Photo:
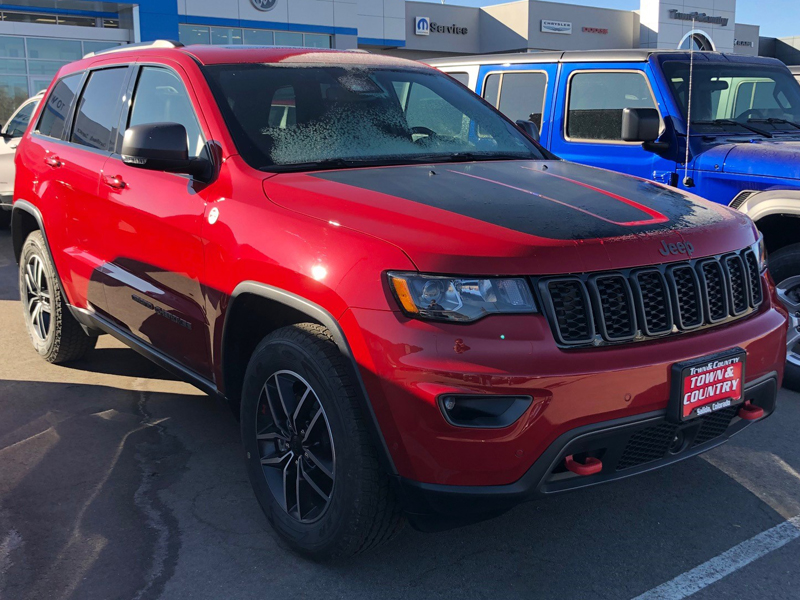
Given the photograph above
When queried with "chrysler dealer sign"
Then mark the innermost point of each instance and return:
(556, 26)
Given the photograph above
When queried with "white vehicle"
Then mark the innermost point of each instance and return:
(9, 139)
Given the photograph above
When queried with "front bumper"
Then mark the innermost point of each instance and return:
(626, 446)
(407, 364)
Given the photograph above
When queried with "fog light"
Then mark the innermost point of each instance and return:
(483, 411)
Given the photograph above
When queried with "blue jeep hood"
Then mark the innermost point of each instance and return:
(770, 158)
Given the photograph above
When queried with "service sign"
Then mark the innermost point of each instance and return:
(564, 27)
(707, 385)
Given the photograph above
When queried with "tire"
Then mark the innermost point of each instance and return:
(5, 218)
(784, 266)
(361, 511)
(54, 332)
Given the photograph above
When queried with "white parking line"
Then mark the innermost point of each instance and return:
(726, 563)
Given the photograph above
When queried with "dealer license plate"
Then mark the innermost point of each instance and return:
(706, 385)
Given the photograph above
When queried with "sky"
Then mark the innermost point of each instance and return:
(781, 19)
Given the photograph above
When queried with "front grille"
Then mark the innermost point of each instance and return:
(639, 304)
(571, 310)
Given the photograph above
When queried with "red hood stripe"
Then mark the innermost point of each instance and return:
(658, 217)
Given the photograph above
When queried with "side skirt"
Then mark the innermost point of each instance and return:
(92, 320)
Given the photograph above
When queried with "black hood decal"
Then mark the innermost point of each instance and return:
(550, 199)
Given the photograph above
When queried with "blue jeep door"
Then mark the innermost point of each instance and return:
(520, 92)
(587, 119)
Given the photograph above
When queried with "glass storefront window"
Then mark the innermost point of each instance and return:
(194, 34)
(258, 37)
(317, 41)
(288, 38)
(12, 47)
(13, 92)
(226, 36)
(78, 21)
(98, 46)
(11, 65)
(54, 49)
(45, 67)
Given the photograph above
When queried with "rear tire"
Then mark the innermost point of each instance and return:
(339, 501)
(784, 266)
(54, 332)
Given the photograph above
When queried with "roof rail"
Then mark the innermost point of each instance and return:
(140, 46)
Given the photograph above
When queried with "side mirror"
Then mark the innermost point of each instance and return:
(529, 128)
(162, 147)
(640, 124)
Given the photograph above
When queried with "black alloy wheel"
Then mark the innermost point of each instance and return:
(295, 446)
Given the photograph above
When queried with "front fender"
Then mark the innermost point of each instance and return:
(758, 205)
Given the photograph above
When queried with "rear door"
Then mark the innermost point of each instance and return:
(64, 158)
(153, 278)
(587, 119)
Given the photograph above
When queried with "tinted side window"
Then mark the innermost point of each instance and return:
(17, 126)
(462, 78)
(596, 101)
(161, 97)
(57, 106)
(98, 109)
(522, 96)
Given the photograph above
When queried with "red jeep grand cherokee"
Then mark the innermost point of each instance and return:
(415, 310)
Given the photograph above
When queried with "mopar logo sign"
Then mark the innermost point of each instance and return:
(264, 4)
(422, 26)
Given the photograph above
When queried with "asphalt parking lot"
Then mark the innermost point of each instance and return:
(116, 481)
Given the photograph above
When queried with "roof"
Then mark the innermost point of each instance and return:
(574, 56)
(218, 55)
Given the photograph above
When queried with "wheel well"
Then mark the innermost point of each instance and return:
(250, 319)
(23, 224)
(779, 230)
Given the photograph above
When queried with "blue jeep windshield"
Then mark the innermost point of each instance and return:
(315, 116)
(726, 97)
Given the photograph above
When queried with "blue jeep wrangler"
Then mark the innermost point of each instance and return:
(628, 110)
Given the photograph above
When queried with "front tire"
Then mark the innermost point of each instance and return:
(312, 465)
(54, 332)
(784, 266)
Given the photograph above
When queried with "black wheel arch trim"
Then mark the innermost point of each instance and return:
(21, 206)
(322, 316)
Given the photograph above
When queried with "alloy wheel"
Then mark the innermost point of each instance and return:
(789, 295)
(295, 446)
(38, 297)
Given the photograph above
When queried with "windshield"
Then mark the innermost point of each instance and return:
(282, 116)
(731, 97)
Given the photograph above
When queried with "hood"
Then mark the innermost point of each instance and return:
(757, 157)
(515, 217)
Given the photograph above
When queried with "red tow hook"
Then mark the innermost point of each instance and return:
(592, 466)
(750, 412)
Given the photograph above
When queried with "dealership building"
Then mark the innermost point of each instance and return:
(38, 36)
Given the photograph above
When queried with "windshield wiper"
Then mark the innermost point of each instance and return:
(468, 157)
(733, 122)
(773, 121)
(318, 165)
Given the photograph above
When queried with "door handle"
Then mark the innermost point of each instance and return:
(53, 161)
(115, 182)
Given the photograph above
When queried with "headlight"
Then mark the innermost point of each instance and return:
(460, 299)
(760, 250)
